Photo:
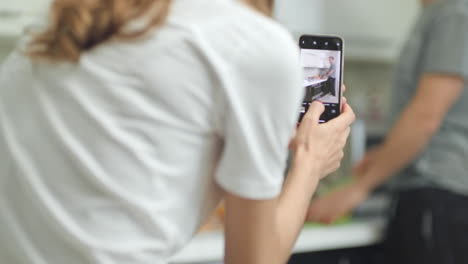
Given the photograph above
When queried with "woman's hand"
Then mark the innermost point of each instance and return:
(320, 146)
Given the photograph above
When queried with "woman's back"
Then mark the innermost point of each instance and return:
(115, 159)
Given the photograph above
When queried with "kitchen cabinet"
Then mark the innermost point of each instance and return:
(314, 89)
(300, 16)
(25, 6)
(374, 30)
(16, 15)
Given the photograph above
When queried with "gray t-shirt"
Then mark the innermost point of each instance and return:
(332, 69)
(438, 44)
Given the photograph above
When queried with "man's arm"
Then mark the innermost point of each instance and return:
(412, 132)
(329, 73)
(435, 95)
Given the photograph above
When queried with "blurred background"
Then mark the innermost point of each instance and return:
(373, 31)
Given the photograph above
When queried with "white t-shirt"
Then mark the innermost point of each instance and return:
(119, 158)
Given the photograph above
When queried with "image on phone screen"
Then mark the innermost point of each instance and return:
(321, 59)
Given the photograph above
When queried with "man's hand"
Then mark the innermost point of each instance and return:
(329, 208)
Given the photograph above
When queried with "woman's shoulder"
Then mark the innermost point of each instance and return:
(223, 32)
(225, 37)
(227, 19)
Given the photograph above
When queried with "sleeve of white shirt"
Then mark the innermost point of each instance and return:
(261, 100)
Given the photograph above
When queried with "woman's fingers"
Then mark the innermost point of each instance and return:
(345, 119)
(311, 118)
(323, 143)
(344, 102)
(316, 109)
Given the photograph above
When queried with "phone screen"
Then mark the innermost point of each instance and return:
(322, 62)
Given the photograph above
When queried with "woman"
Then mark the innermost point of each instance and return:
(426, 150)
(124, 123)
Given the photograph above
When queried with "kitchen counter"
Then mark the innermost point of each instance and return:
(209, 247)
(313, 82)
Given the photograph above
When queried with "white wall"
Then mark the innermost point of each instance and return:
(300, 16)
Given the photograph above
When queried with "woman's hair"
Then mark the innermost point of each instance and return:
(77, 26)
(264, 6)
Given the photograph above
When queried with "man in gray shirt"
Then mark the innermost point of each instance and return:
(331, 75)
(427, 148)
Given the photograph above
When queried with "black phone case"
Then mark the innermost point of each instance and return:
(325, 44)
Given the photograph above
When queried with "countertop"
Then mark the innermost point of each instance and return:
(208, 247)
(313, 82)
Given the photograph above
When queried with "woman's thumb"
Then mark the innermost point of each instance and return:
(316, 109)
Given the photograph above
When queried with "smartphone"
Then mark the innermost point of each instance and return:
(322, 62)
